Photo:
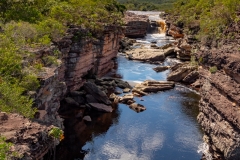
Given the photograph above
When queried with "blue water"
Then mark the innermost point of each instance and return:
(166, 130)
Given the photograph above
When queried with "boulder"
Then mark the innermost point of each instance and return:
(70, 101)
(87, 118)
(101, 107)
(126, 98)
(122, 84)
(191, 77)
(91, 99)
(161, 68)
(180, 71)
(93, 90)
(137, 107)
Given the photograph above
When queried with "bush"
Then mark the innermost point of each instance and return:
(213, 69)
(12, 100)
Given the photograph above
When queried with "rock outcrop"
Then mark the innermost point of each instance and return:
(30, 139)
(184, 72)
(149, 86)
(219, 83)
(135, 25)
(79, 57)
(219, 106)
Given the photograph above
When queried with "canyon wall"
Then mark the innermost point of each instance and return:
(136, 26)
(220, 102)
(80, 57)
(219, 82)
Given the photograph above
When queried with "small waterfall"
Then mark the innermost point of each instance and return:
(161, 26)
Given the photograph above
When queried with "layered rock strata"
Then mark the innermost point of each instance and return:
(219, 82)
(79, 57)
(135, 25)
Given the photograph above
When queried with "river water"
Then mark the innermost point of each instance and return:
(167, 130)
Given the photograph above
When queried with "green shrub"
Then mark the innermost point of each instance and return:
(50, 61)
(12, 100)
(57, 133)
(213, 69)
(30, 82)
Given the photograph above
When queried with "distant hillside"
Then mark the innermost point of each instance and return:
(148, 5)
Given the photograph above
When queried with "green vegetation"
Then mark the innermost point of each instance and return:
(148, 5)
(4, 149)
(5, 152)
(210, 16)
(213, 69)
(27, 25)
(56, 133)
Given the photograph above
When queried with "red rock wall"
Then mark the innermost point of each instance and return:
(136, 25)
(80, 57)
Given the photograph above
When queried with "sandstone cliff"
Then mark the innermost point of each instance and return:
(219, 81)
(80, 57)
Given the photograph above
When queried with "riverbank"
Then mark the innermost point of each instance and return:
(218, 68)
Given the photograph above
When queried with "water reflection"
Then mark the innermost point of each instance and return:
(78, 132)
(166, 130)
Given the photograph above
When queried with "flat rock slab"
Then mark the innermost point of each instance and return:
(146, 54)
(161, 68)
(152, 86)
(101, 107)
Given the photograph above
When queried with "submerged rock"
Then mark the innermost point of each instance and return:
(137, 107)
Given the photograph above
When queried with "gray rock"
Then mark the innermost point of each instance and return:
(79, 99)
(101, 107)
(71, 101)
(77, 93)
(91, 99)
(87, 118)
(122, 84)
(93, 90)
(79, 115)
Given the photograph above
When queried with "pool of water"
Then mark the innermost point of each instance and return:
(166, 130)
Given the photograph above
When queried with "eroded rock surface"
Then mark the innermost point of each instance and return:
(135, 25)
(31, 139)
(152, 86)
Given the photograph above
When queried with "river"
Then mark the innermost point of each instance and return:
(167, 130)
